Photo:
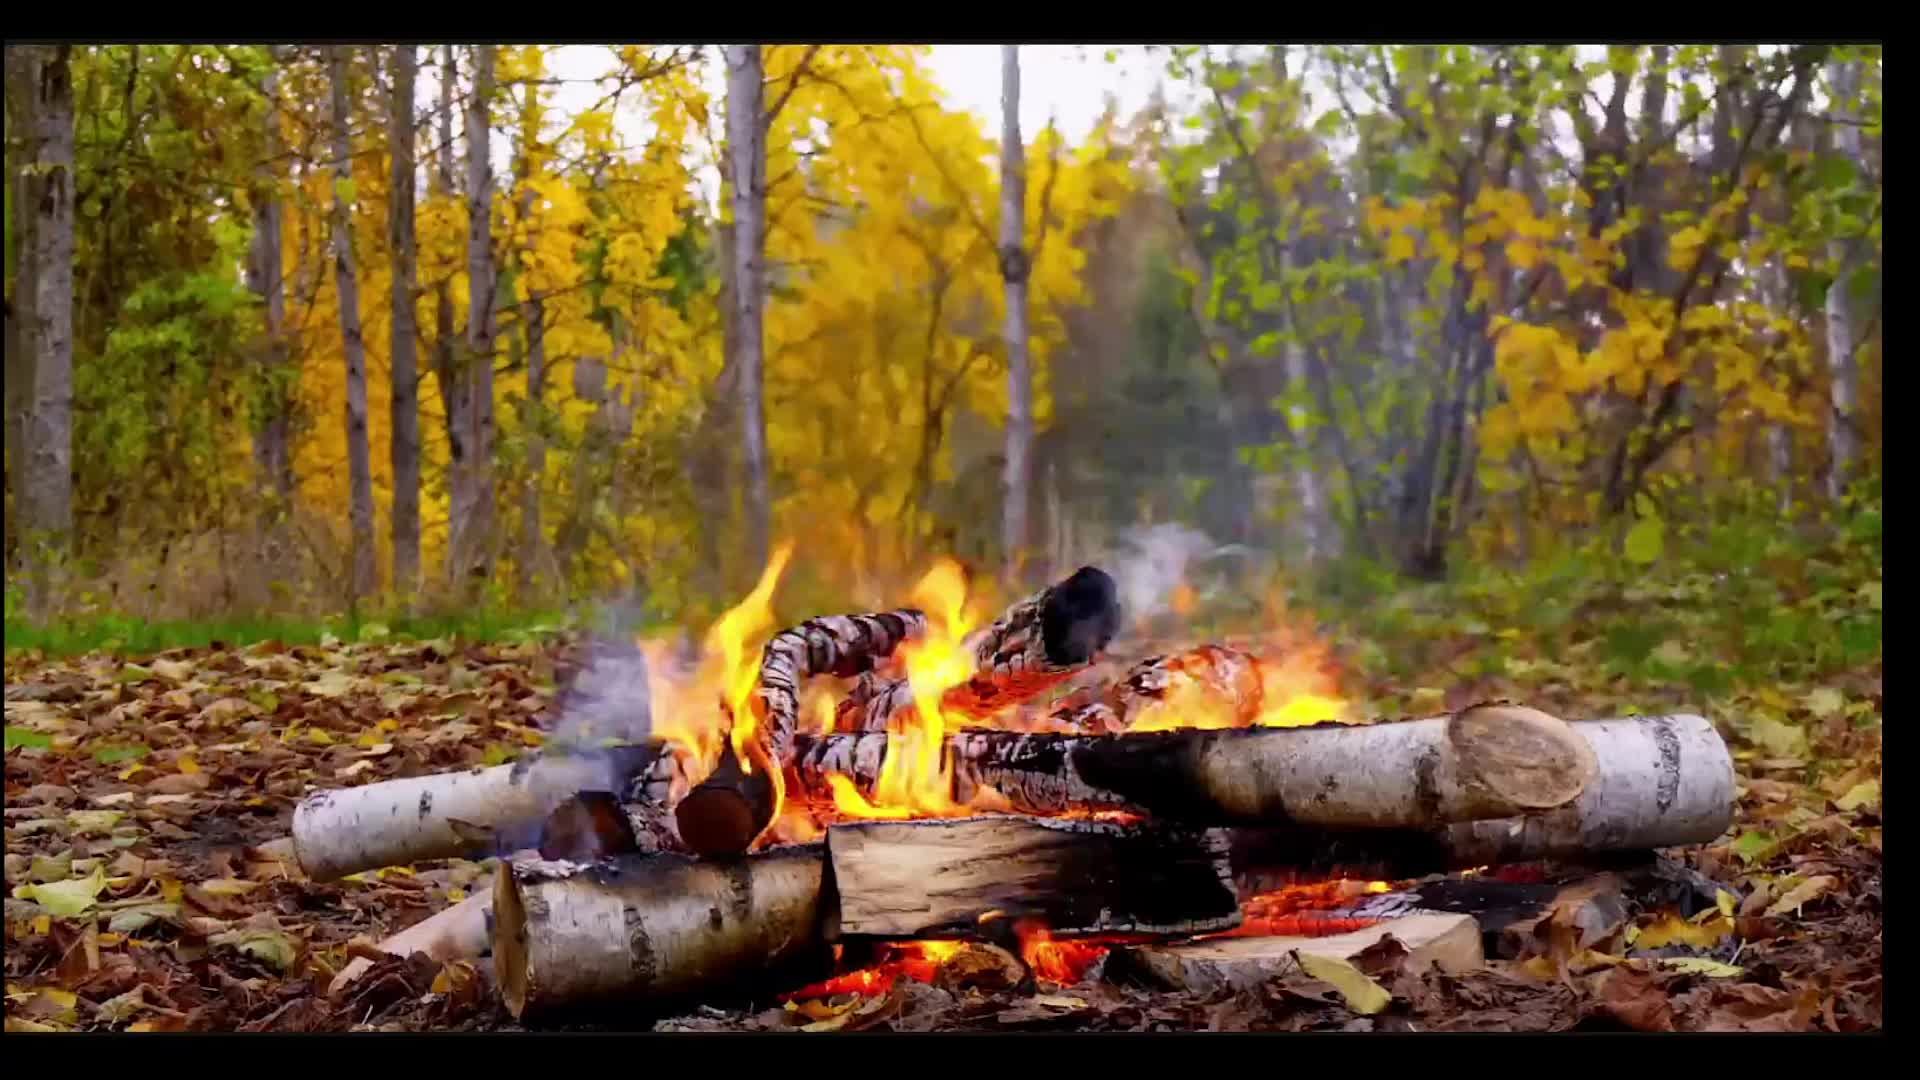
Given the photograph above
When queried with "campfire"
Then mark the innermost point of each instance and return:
(927, 795)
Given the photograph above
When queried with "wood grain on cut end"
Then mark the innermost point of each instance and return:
(1528, 758)
(509, 940)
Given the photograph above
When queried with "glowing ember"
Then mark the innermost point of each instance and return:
(1063, 961)
(1306, 910)
(918, 961)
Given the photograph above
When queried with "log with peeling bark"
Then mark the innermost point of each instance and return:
(1034, 645)
(1448, 942)
(449, 815)
(650, 929)
(728, 810)
(1490, 761)
(943, 878)
(461, 932)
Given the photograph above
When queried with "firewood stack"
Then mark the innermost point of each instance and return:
(1081, 828)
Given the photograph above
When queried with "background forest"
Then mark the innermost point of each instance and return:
(308, 332)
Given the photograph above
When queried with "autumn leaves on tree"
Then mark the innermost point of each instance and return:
(378, 327)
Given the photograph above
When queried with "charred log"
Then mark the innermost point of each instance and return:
(943, 878)
(647, 930)
(1485, 762)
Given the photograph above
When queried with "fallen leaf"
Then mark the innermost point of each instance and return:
(134, 919)
(1672, 929)
(1361, 993)
(55, 868)
(1864, 793)
(1700, 965)
(229, 886)
(66, 899)
(1824, 701)
(270, 947)
(1804, 893)
(1632, 997)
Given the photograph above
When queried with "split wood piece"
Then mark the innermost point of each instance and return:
(944, 878)
(1448, 942)
(597, 825)
(1662, 781)
(1490, 761)
(1032, 647)
(449, 815)
(651, 929)
(461, 932)
(1216, 683)
(727, 811)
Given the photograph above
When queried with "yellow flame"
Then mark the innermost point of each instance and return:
(916, 774)
(737, 637)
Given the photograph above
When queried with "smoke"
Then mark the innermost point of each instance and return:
(1151, 562)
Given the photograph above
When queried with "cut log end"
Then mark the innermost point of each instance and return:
(1524, 757)
(509, 941)
(723, 816)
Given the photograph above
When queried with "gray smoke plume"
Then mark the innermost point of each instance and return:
(1150, 561)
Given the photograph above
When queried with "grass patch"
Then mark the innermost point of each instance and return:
(136, 637)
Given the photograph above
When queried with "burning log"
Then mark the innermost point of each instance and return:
(1032, 646)
(1491, 761)
(1038, 643)
(650, 929)
(449, 815)
(943, 878)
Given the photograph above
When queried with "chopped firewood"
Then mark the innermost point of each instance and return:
(648, 929)
(942, 878)
(1661, 781)
(1448, 942)
(448, 815)
(1038, 643)
(1490, 761)
(461, 932)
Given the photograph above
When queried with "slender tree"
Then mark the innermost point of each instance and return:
(405, 374)
(747, 153)
(359, 459)
(1014, 267)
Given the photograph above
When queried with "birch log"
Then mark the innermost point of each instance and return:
(1490, 761)
(1661, 781)
(461, 932)
(645, 930)
(448, 815)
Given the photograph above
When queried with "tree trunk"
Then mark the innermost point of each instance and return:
(747, 153)
(449, 378)
(1842, 344)
(359, 462)
(43, 295)
(532, 536)
(272, 437)
(471, 544)
(932, 879)
(405, 407)
(1014, 268)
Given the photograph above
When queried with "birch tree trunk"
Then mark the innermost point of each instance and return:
(405, 407)
(44, 296)
(531, 534)
(1014, 269)
(473, 521)
(446, 367)
(266, 277)
(359, 463)
(747, 153)
(1844, 440)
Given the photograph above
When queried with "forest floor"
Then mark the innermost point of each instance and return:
(136, 788)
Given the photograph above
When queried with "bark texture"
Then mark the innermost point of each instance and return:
(266, 277)
(942, 878)
(404, 407)
(471, 540)
(1015, 265)
(364, 568)
(747, 154)
(648, 930)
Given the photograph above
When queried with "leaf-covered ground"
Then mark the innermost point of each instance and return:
(137, 793)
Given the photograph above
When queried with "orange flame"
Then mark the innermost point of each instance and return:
(1063, 961)
(919, 961)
